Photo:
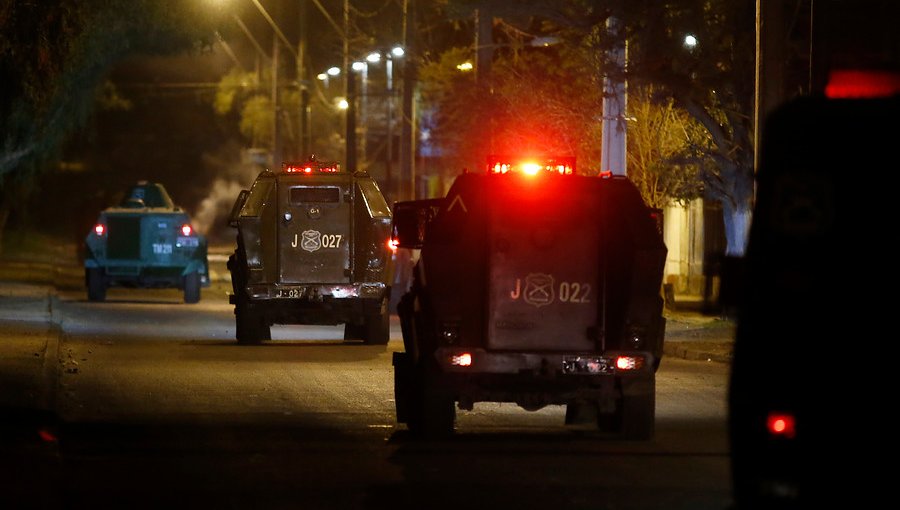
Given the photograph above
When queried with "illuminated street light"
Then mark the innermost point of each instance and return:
(342, 103)
(397, 51)
(690, 42)
(465, 66)
(333, 71)
(374, 57)
(358, 66)
(322, 77)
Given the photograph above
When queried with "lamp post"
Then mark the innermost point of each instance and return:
(396, 52)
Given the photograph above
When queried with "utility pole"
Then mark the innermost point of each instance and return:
(276, 104)
(613, 140)
(770, 75)
(407, 130)
(303, 81)
(350, 94)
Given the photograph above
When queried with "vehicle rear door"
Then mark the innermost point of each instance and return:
(314, 226)
(543, 270)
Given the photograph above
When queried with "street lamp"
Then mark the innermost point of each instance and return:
(690, 42)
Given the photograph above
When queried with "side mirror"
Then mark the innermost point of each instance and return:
(236, 208)
(411, 219)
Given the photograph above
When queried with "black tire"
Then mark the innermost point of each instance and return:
(96, 286)
(192, 287)
(251, 327)
(354, 331)
(403, 368)
(638, 410)
(378, 329)
(432, 413)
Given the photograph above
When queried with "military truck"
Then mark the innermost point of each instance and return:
(313, 247)
(145, 241)
(534, 285)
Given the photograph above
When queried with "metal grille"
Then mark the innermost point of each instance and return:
(124, 240)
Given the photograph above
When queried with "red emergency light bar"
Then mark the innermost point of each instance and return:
(311, 167)
(499, 165)
(862, 84)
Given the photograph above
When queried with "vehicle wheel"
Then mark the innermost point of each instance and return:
(354, 331)
(378, 328)
(638, 410)
(96, 287)
(579, 413)
(432, 414)
(403, 368)
(192, 287)
(250, 326)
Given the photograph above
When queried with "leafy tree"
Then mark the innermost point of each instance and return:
(54, 56)
(246, 96)
(661, 138)
(712, 81)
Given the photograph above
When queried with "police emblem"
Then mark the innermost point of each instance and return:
(538, 289)
(312, 240)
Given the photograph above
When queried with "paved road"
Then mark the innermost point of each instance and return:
(162, 408)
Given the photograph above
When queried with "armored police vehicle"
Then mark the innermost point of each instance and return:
(313, 247)
(537, 286)
(812, 377)
(145, 241)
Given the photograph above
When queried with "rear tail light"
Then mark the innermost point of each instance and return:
(781, 425)
(47, 435)
(99, 229)
(629, 362)
(393, 244)
(461, 360)
(186, 229)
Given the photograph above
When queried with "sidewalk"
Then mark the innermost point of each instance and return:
(694, 335)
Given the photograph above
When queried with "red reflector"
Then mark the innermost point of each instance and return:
(47, 436)
(99, 229)
(861, 84)
(463, 360)
(781, 424)
(186, 229)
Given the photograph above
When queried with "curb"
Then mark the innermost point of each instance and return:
(685, 350)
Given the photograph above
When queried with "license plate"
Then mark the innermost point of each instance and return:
(189, 242)
(586, 365)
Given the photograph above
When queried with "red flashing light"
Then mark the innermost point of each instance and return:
(311, 167)
(781, 425)
(99, 229)
(186, 229)
(499, 165)
(862, 84)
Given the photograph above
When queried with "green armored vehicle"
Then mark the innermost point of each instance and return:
(313, 247)
(145, 241)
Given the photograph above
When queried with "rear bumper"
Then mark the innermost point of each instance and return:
(534, 380)
(317, 292)
(559, 364)
(317, 304)
(132, 274)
